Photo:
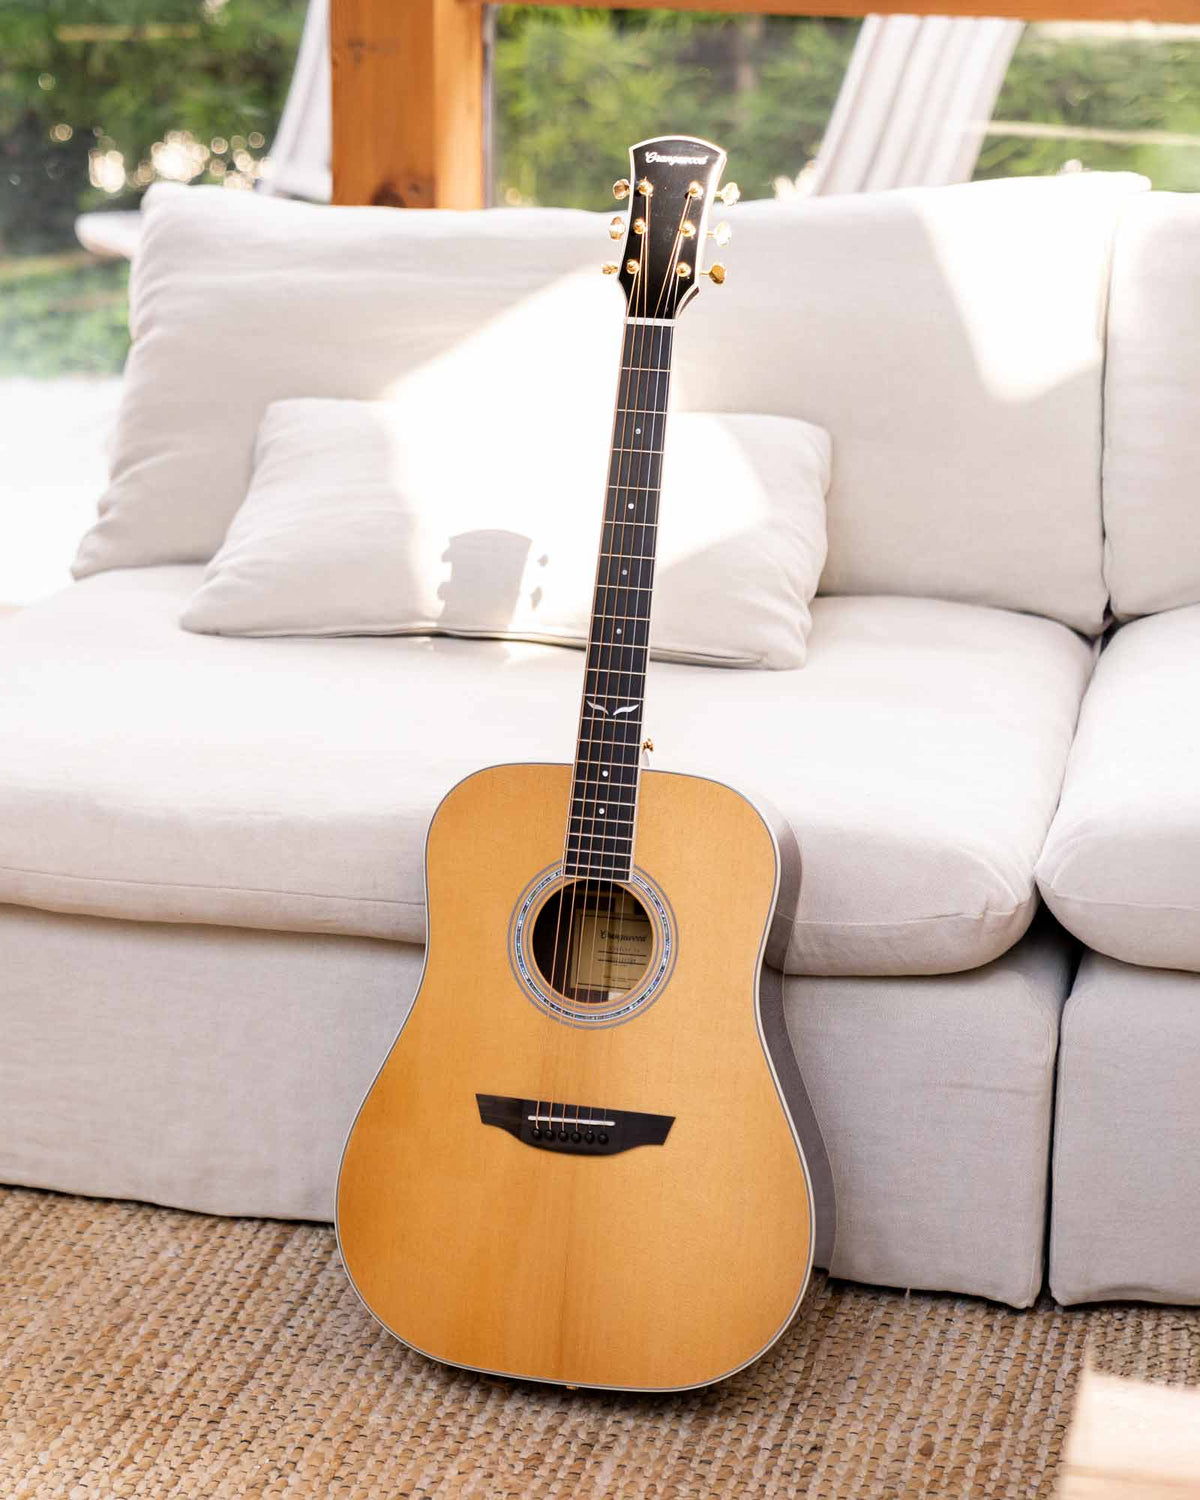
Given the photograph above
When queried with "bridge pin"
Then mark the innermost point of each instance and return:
(590, 1137)
(604, 1137)
(576, 1137)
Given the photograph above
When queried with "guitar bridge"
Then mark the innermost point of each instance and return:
(583, 1129)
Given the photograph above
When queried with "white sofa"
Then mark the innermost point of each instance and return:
(210, 849)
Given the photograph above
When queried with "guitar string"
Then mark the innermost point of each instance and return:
(619, 546)
(569, 893)
(609, 599)
(584, 760)
(637, 460)
(652, 458)
(635, 465)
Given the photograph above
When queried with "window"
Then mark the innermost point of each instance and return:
(98, 98)
(572, 88)
(1102, 97)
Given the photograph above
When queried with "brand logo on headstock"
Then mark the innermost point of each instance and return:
(677, 161)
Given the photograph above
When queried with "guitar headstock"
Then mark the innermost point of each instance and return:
(672, 184)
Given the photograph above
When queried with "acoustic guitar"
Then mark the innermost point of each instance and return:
(579, 1161)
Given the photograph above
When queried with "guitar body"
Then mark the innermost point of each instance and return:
(580, 1162)
(661, 1256)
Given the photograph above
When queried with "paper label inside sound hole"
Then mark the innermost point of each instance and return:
(610, 948)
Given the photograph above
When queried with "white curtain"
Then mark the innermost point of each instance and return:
(918, 94)
(302, 150)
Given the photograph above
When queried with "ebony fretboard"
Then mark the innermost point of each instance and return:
(604, 789)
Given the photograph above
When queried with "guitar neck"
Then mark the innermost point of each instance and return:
(604, 788)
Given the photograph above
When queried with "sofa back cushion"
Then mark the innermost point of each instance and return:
(1152, 407)
(949, 339)
(951, 342)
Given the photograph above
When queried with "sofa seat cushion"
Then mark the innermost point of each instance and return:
(1121, 867)
(153, 774)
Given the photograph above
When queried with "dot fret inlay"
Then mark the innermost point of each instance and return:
(600, 833)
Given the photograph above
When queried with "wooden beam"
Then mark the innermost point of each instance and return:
(1179, 11)
(408, 84)
(408, 125)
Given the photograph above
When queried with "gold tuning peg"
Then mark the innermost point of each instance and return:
(610, 268)
(616, 227)
(621, 188)
(715, 273)
(722, 234)
(730, 193)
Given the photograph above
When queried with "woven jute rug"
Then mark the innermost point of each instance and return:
(146, 1352)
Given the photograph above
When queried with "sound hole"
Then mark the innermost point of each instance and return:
(593, 941)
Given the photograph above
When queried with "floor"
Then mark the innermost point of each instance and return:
(148, 1352)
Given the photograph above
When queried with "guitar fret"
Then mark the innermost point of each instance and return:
(608, 752)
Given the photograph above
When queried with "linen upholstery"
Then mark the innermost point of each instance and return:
(949, 339)
(153, 774)
(375, 518)
(1126, 1204)
(1121, 866)
(942, 1088)
(1151, 396)
(219, 1070)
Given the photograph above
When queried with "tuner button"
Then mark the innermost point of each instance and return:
(730, 193)
(722, 234)
(616, 227)
(646, 188)
(716, 273)
(621, 188)
(610, 268)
